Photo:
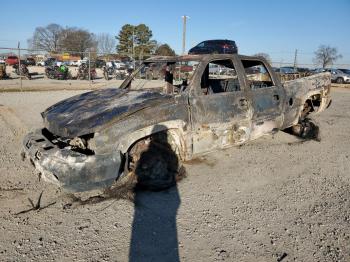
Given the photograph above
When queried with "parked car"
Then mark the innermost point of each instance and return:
(119, 64)
(73, 63)
(11, 60)
(345, 71)
(215, 47)
(51, 61)
(129, 65)
(287, 70)
(30, 61)
(94, 139)
(303, 70)
(59, 63)
(82, 61)
(100, 63)
(337, 76)
(40, 63)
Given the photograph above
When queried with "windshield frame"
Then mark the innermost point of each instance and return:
(165, 59)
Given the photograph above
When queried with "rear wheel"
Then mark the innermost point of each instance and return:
(306, 128)
(340, 80)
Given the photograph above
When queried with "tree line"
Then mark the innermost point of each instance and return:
(133, 40)
(325, 56)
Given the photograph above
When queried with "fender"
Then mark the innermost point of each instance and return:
(176, 128)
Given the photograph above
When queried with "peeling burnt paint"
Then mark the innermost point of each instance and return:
(197, 122)
(86, 113)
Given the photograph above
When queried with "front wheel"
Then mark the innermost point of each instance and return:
(154, 162)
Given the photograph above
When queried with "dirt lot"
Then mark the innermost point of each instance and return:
(275, 199)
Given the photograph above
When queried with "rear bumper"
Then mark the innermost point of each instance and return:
(326, 101)
(71, 170)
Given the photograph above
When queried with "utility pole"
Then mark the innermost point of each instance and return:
(133, 46)
(295, 59)
(90, 66)
(184, 34)
(19, 64)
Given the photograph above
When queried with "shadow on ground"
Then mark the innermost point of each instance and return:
(154, 229)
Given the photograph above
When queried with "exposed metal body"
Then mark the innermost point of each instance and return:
(108, 122)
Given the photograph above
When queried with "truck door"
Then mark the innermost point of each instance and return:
(267, 95)
(220, 111)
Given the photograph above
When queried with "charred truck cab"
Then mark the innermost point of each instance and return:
(211, 102)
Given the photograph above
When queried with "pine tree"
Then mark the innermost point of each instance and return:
(125, 38)
(136, 41)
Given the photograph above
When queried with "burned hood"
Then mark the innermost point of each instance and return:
(88, 112)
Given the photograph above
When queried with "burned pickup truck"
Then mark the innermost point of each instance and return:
(205, 103)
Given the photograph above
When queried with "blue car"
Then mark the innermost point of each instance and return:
(215, 47)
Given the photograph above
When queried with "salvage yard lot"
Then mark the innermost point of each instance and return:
(277, 198)
(41, 82)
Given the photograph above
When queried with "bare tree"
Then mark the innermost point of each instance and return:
(326, 55)
(105, 43)
(77, 40)
(264, 55)
(46, 38)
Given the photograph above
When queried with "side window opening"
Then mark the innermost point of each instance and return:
(169, 77)
(257, 74)
(219, 76)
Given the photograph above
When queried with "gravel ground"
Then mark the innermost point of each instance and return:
(275, 199)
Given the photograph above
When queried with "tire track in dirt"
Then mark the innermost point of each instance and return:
(16, 125)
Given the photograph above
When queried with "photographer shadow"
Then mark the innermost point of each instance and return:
(154, 229)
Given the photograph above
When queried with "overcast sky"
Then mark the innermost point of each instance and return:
(274, 27)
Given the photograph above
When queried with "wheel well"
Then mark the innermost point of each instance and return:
(311, 105)
(173, 136)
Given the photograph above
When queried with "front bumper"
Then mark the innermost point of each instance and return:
(71, 170)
